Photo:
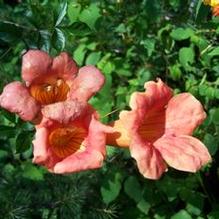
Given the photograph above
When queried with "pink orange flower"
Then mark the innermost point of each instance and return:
(158, 131)
(71, 147)
(48, 81)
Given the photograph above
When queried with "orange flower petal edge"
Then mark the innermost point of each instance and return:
(16, 99)
(158, 128)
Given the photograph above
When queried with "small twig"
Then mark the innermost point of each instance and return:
(203, 187)
(19, 25)
(203, 79)
(5, 53)
(110, 113)
(205, 50)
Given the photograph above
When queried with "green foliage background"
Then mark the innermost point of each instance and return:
(131, 41)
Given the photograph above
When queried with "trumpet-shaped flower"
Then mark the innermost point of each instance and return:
(74, 146)
(48, 81)
(158, 131)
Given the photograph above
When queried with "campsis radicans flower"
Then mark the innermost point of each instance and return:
(214, 5)
(49, 81)
(158, 131)
(74, 146)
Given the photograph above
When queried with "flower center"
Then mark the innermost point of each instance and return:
(66, 141)
(50, 93)
(153, 126)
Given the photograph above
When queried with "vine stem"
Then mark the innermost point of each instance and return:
(204, 188)
(19, 25)
(5, 53)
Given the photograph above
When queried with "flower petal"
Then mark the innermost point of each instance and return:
(40, 147)
(94, 153)
(90, 155)
(155, 97)
(97, 134)
(42, 152)
(35, 64)
(79, 161)
(183, 114)
(64, 112)
(16, 99)
(120, 136)
(147, 116)
(87, 83)
(149, 161)
(183, 152)
(64, 66)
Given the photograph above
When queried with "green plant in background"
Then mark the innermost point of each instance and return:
(130, 42)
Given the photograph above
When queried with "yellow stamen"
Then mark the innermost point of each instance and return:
(66, 141)
(50, 93)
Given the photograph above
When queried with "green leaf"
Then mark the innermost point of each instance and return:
(59, 39)
(195, 204)
(9, 116)
(143, 206)
(90, 15)
(193, 199)
(174, 3)
(7, 131)
(3, 155)
(105, 65)
(79, 29)
(10, 32)
(202, 89)
(93, 58)
(217, 93)
(62, 13)
(111, 187)
(133, 189)
(202, 12)
(215, 116)
(210, 93)
(211, 142)
(46, 40)
(73, 11)
(198, 7)
(214, 52)
(23, 141)
(104, 94)
(32, 172)
(182, 214)
(121, 28)
(79, 54)
(149, 44)
(186, 57)
(214, 214)
(181, 33)
(175, 72)
(166, 185)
